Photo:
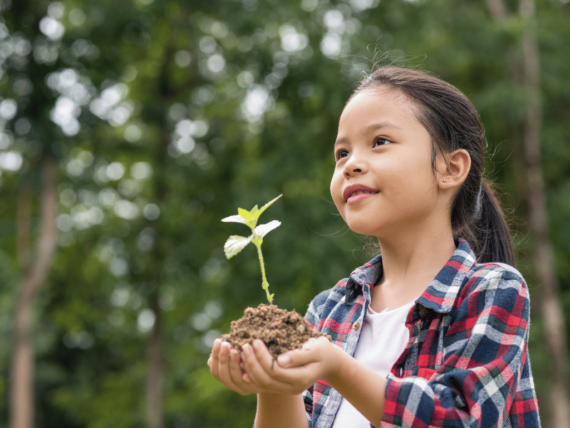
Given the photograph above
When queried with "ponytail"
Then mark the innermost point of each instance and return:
(487, 230)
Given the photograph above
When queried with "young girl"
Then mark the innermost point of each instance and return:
(432, 331)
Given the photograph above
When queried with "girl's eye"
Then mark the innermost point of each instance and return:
(341, 153)
(383, 141)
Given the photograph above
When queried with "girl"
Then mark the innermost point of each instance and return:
(432, 331)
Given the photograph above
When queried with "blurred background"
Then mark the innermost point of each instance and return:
(129, 129)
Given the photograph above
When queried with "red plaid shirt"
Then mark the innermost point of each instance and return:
(466, 363)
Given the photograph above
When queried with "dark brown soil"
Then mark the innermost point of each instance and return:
(279, 329)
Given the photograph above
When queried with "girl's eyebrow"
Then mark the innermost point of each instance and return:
(370, 128)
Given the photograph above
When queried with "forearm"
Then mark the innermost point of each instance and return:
(362, 387)
(280, 411)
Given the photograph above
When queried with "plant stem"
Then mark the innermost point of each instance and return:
(264, 283)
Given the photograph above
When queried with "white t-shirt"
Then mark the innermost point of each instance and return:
(382, 340)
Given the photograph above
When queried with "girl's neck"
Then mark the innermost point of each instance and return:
(409, 265)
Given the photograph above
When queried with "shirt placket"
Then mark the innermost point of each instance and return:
(328, 414)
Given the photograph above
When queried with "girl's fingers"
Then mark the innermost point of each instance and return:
(255, 371)
(224, 364)
(224, 370)
(297, 358)
(310, 353)
(235, 369)
(213, 361)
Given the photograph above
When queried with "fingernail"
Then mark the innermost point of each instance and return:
(247, 349)
(283, 360)
(256, 343)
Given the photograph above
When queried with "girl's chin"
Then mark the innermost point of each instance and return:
(361, 224)
(362, 229)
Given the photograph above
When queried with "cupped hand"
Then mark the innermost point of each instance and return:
(231, 368)
(294, 371)
(225, 365)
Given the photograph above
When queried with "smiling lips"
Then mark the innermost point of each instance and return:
(356, 192)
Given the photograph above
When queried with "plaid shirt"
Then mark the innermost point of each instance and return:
(466, 363)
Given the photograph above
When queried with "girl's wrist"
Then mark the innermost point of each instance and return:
(339, 361)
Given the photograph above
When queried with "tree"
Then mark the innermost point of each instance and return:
(525, 72)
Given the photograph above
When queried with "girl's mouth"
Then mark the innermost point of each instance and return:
(357, 196)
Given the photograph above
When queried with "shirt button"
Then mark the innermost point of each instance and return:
(356, 326)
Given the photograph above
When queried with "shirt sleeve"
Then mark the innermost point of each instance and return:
(476, 383)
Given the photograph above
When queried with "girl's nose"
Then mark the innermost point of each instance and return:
(354, 166)
(348, 174)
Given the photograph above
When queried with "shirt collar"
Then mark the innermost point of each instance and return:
(441, 292)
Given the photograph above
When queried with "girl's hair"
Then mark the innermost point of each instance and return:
(453, 123)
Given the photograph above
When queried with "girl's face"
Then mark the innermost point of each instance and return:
(382, 146)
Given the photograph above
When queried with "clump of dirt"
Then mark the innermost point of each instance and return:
(279, 329)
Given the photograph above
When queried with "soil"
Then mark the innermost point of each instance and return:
(281, 330)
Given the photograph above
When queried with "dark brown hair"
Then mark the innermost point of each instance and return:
(453, 123)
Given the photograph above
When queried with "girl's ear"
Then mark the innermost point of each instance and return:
(456, 170)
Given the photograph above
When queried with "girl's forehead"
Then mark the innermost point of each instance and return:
(378, 104)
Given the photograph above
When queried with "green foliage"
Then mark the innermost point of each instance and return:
(165, 115)
(237, 243)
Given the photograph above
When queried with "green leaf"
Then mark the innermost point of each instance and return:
(235, 244)
(264, 229)
(235, 219)
(245, 213)
(271, 297)
(267, 205)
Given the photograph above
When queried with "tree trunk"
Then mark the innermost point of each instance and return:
(550, 300)
(155, 373)
(551, 308)
(155, 360)
(33, 276)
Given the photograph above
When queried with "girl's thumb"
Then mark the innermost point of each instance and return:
(283, 360)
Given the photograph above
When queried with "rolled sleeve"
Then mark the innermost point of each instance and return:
(476, 383)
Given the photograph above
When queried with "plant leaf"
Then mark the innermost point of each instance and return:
(245, 213)
(267, 205)
(254, 210)
(235, 244)
(235, 219)
(264, 229)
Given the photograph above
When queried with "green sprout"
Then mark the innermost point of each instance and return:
(236, 243)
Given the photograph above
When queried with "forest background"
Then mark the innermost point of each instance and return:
(129, 129)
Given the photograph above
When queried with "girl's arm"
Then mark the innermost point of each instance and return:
(319, 359)
(274, 409)
(280, 411)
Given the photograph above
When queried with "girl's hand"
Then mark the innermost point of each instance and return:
(225, 366)
(295, 370)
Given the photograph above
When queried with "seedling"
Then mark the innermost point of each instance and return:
(236, 243)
